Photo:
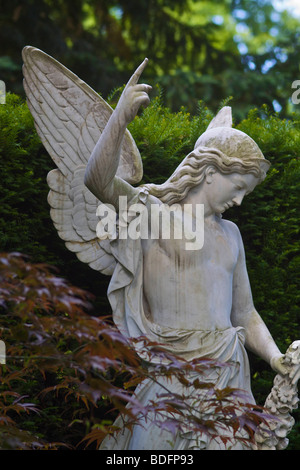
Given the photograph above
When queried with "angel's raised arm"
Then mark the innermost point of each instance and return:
(100, 175)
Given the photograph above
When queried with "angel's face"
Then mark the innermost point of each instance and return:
(219, 192)
(226, 191)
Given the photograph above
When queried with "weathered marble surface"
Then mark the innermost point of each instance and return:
(197, 302)
(281, 402)
(69, 117)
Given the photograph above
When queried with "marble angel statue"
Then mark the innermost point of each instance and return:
(196, 302)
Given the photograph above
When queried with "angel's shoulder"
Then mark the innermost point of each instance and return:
(233, 231)
(230, 226)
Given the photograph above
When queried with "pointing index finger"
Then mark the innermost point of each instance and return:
(136, 76)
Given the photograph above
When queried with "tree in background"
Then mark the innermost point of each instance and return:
(102, 42)
(197, 49)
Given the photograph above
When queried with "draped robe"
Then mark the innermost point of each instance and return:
(125, 294)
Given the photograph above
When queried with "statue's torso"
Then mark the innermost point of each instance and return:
(191, 289)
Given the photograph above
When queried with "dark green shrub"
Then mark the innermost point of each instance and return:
(268, 218)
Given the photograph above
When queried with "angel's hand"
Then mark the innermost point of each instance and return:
(277, 364)
(134, 95)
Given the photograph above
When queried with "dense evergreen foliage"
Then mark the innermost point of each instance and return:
(268, 218)
(197, 49)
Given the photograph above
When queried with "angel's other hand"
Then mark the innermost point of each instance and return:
(277, 364)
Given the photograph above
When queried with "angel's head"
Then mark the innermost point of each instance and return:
(222, 149)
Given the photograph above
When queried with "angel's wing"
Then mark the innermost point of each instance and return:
(69, 117)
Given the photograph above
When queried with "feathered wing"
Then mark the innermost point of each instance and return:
(69, 117)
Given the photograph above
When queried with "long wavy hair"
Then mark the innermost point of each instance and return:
(191, 173)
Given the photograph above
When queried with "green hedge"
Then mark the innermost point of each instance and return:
(25, 223)
(268, 218)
